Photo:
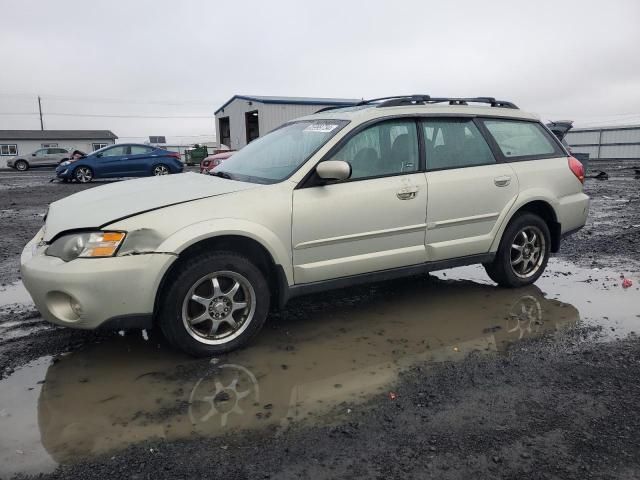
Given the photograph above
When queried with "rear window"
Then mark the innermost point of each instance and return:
(518, 139)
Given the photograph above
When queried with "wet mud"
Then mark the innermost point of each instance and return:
(442, 375)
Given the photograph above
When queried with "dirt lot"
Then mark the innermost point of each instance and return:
(438, 376)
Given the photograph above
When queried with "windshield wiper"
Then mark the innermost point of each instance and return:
(217, 173)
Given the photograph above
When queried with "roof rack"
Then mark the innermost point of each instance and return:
(418, 99)
(333, 107)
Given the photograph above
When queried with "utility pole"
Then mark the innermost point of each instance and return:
(40, 110)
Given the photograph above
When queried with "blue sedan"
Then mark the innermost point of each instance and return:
(122, 160)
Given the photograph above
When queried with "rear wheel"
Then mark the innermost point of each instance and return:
(213, 304)
(523, 253)
(21, 165)
(83, 174)
(161, 170)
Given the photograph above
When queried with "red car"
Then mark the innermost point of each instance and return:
(214, 160)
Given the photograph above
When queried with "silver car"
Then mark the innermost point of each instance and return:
(44, 157)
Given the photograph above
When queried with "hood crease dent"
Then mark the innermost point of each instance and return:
(100, 206)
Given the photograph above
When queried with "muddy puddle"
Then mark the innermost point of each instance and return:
(327, 351)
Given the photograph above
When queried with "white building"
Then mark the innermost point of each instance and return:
(606, 143)
(245, 117)
(22, 142)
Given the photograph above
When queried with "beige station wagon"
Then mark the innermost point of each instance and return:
(387, 188)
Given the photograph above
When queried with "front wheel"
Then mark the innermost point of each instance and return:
(21, 165)
(523, 252)
(161, 170)
(83, 174)
(213, 304)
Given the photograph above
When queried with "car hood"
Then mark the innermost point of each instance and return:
(100, 206)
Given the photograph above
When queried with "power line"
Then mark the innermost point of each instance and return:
(136, 101)
(105, 115)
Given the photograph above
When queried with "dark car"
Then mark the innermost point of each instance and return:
(560, 129)
(123, 160)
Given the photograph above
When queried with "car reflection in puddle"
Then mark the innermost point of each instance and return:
(318, 353)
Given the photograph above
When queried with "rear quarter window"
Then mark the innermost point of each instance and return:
(521, 139)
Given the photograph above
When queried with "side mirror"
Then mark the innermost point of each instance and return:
(33, 154)
(334, 170)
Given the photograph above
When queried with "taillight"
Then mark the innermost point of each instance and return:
(205, 163)
(577, 168)
(174, 155)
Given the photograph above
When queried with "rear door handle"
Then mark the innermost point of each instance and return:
(503, 181)
(407, 194)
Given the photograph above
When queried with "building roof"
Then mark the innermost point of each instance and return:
(291, 100)
(56, 134)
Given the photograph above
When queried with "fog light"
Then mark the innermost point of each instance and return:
(76, 307)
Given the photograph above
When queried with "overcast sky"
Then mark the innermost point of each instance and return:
(572, 59)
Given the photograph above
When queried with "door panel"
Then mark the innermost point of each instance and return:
(138, 161)
(40, 159)
(110, 163)
(358, 227)
(466, 207)
(469, 193)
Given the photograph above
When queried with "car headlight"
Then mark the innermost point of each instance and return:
(86, 245)
(65, 163)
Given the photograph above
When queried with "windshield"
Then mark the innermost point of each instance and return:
(274, 157)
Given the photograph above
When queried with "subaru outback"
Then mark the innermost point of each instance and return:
(387, 188)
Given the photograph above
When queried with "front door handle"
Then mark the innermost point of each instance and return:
(407, 194)
(503, 181)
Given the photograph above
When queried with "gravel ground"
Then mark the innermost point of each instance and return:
(560, 407)
(547, 410)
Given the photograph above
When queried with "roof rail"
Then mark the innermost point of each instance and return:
(398, 101)
(333, 107)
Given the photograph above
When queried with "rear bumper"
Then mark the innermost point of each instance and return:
(572, 213)
(115, 292)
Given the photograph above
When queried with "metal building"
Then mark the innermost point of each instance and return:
(606, 143)
(245, 117)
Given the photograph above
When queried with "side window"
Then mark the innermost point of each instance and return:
(387, 148)
(114, 152)
(455, 143)
(41, 152)
(140, 150)
(521, 139)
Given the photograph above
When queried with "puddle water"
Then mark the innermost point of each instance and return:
(320, 352)
(14, 293)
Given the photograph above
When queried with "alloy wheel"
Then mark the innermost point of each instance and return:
(218, 307)
(161, 170)
(84, 175)
(528, 250)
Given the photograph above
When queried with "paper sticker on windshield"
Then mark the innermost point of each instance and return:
(319, 127)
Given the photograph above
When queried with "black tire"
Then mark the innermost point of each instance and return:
(21, 165)
(501, 269)
(83, 174)
(173, 319)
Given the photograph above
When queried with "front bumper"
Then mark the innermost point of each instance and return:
(63, 172)
(92, 292)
